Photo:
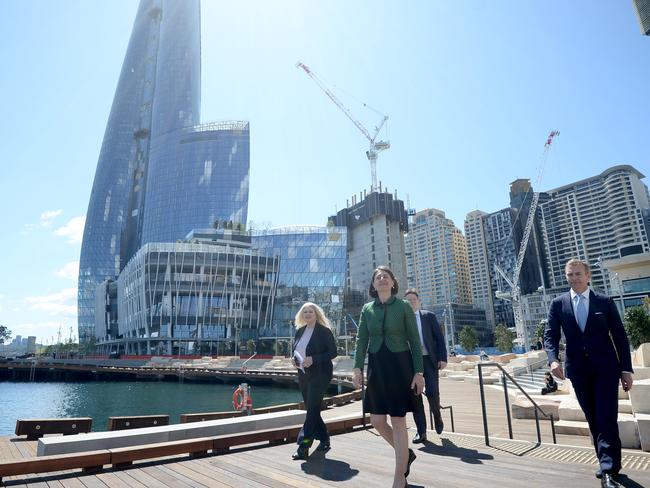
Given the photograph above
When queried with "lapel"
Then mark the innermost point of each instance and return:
(592, 308)
(426, 331)
(567, 310)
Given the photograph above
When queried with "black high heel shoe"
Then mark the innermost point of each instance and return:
(301, 454)
(412, 457)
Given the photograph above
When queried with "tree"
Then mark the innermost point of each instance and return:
(539, 332)
(5, 334)
(250, 345)
(468, 338)
(637, 325)
(503, 338)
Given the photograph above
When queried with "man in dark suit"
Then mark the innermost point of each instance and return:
(597, 358)
(434, 355)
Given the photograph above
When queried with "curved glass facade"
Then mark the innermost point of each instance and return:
(157, 166)
(312, 268)
(196, 176)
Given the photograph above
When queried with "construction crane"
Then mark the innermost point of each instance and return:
(514, 295)
(375, 146)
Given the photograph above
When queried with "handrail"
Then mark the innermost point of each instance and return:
(537, 408)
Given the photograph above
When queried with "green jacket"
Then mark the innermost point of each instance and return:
(399, 332)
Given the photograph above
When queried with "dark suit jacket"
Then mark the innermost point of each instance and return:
(433, 338)
(321, 348)
(602, 348)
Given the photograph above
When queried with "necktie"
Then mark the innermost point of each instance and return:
(581, 312)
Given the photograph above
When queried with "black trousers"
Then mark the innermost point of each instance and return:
(432, 391)
(597, 394)
(313, 389)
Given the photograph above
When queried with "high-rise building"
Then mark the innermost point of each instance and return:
(437, 261)
(597, 218)
(312, 268)
(190, 295)
(159, 173)
(490, 244)
(532, 274)
(376, 224)
(479, 266)
(642, 9)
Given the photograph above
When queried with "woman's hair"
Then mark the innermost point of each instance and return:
(320, 316)
(393, 291)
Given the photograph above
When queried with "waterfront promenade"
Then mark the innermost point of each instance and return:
(361, 458)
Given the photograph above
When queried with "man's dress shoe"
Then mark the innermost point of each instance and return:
(609, 481)
(419, 438)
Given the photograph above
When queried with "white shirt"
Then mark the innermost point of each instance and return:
(574, 301)
(425, 351)
(301, 347)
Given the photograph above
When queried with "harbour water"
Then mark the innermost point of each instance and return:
(103, 399)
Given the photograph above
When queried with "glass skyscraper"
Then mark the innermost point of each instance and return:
(312, 268)
(160, 174)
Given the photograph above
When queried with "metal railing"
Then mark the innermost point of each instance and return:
(537, 409)
(451, 414)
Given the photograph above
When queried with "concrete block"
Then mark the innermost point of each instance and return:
(641, 373)
(640, 396)
(643, 423)
(503, 358)
(622, 394)
(572, 427)
(625, 406)
(165, 433)
(522, 408)
(570, 410)
(642, 355)
(628, 431)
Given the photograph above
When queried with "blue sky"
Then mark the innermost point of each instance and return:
(472, 89)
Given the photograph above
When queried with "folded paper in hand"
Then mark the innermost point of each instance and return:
(297, 357)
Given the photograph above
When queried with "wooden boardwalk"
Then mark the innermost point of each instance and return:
(362, 459)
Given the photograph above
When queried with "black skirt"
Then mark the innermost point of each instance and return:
(388, 389)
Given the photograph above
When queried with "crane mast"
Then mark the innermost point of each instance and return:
(375, 146)
(515, 289)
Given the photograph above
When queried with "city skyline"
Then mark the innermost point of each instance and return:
(467, 105)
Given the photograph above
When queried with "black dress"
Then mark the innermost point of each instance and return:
(388, 391)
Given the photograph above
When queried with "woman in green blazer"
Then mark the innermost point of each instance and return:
(388, 333)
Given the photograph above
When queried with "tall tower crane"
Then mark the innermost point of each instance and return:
(375, 146)
(514, 295)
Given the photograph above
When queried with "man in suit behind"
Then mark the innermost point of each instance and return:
(597, 357)
(434, 353)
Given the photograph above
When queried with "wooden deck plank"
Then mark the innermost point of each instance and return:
(145, 478)
(128, 479)
(164, 477)
(196, 475)
(272, 476)
(91, 481)
(215, 467)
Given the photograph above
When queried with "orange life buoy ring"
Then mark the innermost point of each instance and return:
(238, 399)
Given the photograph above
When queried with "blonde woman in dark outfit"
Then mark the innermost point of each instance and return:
(388, 332)
(314, 349)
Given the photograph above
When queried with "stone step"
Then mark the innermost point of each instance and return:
(571, 427)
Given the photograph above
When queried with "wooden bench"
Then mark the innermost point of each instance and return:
(201, 417)
(123, 423)
(35, 428)
(124, 456)
(87, 461)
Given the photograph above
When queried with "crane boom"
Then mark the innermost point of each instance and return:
(375, 147)
(515, 292)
